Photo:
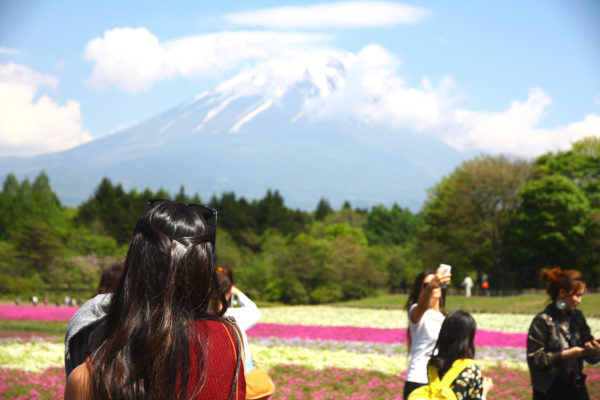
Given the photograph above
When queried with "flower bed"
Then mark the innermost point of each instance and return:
(376, 335)
(312, 352)
(312, 315)
(31, 356)
(37, 313)
(21, 385)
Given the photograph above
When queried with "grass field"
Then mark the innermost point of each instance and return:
(520, 304)
(46, 328)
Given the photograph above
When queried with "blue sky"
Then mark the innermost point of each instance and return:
(516, 77)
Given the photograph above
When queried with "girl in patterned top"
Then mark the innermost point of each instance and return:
(455, 342)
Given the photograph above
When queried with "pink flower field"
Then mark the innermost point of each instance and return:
(39, 313)
(305, 361)
(312, 332)
(19, 385)
(295, 382)
(349, 333)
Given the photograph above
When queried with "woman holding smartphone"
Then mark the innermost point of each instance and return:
(560, 339)
(425, 308)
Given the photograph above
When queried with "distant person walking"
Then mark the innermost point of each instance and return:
(560, 339)
(467, 283)
(425, 306)
(485, 285)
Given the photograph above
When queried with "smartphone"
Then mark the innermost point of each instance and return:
(445, 269)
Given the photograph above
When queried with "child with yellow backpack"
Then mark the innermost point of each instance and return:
(461, 378)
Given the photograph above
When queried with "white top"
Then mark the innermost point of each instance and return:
(246, 316)
(424, 335)
(467, 282)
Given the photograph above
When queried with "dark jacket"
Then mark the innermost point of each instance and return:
(545, 343)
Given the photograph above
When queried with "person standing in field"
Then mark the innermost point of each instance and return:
(467, 283)
(83, 332)
(258, 383)
(425, 306)
(559, 340)
(485, 285)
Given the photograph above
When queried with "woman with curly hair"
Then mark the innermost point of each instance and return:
(560, 339)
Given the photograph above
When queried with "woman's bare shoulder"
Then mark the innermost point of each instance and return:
(79, 384)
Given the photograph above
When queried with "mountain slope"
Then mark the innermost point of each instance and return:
(252, 133)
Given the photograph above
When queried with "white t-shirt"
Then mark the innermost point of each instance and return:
(424, 335)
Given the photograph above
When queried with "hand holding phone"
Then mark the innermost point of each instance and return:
(444, 269)
(443, 273)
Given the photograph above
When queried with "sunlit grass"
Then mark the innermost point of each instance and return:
(46, 328)
(520, 304)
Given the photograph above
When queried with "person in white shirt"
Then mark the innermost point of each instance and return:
(425, 307)
(246, 315)
(467, 283)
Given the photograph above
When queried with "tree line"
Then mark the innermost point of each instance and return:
(494, 215)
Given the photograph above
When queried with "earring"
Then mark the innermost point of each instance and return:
(561, 304)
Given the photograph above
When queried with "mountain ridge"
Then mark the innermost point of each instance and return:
(250, 134)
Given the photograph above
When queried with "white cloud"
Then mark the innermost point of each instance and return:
(133, 59)
(373, 93)
(338, 85)
(515, 130)
(351, 14)
(7, 51)
(130, 59)
(30, 126)
(366, 87)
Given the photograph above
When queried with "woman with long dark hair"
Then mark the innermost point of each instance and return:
(162, 338)
(258, 383)
(425, 306)
(560, 339)
(246, 315)
(455, 348)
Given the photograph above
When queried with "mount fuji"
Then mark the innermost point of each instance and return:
(267, 128)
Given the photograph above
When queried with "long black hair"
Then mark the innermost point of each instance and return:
(168, 282)
(456, 340)
(413, 298)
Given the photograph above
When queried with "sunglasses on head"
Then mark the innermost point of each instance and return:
(207, 213)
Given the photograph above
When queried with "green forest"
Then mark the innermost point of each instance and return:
(495, 215)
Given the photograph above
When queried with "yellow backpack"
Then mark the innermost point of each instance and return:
(440, 390)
